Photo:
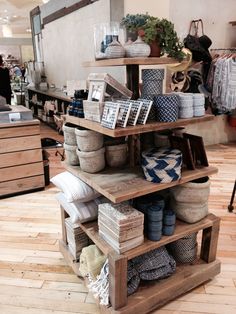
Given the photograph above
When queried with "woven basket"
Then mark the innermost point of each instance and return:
(69, 135)
(71, 155)
(92, 162)
(152, 82)
(184, 250)
(196, 191)
(167, 107)
(88, 141)
(116, 155)
(190, 212)
(162, 165)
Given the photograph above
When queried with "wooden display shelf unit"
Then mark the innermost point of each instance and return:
(156, 293)
(137, 129)
(124, 184)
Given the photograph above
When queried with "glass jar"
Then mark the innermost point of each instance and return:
(104, 34)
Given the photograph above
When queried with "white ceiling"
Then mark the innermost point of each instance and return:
(15, 14)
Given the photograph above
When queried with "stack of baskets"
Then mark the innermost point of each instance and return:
(70, 145)
(90, 151)
(152, 85)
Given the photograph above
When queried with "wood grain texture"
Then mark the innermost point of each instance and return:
(136, 129)
(130, 61)
(9, 145)
(19, 131)
(20, 158)
(215, 297)
(21, 185)
(21, 171)
(124, 184)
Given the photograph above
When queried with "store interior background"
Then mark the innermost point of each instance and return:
(68, 41)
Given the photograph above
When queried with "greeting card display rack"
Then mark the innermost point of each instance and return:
(121, 185)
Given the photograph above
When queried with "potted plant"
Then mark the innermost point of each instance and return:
(158, 33)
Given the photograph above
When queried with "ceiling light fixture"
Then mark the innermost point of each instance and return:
(45, 1)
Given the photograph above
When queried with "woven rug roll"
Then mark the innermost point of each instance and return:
(167, 107)
(162, 165)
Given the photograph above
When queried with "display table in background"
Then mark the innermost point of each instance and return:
(21, 162)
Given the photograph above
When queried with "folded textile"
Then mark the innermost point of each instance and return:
(100, 287)
(133, 279)
(154, 265)
(91, 261)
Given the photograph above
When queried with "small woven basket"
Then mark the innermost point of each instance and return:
(162, 165)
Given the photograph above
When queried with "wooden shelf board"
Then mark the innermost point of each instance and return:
(51, 92)
(181, 230)
(124, 184)
(91, 229)
(137, 129)
(157, 293)
(130, 61)
(69, 258)
(233, 23)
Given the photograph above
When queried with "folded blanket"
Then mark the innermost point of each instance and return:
(155, 265)
(133, 279)
(91, 261)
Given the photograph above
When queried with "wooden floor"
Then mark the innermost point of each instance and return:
(35, 279)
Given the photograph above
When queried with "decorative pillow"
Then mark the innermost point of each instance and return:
(80, 212)
(74, 188)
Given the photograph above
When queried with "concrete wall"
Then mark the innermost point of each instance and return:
(69, 41)
(159, 8)
(215, 14)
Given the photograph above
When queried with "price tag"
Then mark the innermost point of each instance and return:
(13, 117)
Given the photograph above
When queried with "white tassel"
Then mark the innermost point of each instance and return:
(100, 287)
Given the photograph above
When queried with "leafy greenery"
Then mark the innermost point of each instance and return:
(134, 22)
(155, 29)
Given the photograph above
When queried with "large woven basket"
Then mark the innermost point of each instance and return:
(196, 191)
(184, 250)
(162, 165)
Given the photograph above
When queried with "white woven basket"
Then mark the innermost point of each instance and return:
(116, 155)
(88, 141)
(71, 155)
(92, 162)
(69, 135)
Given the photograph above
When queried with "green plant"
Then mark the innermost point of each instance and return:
(155, 29)
(134, 22)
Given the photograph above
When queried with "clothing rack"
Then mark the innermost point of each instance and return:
(223, 49)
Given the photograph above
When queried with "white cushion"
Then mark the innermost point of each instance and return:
(79, 212)
(74, 188)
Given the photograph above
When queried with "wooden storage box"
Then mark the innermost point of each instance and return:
(93, 110)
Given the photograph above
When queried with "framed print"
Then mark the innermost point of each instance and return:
(144, 112)
(110, 114)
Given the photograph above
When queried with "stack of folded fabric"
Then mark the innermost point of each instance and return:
(76, 238)
(198, 105)
(154, 265)
(121, 226)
